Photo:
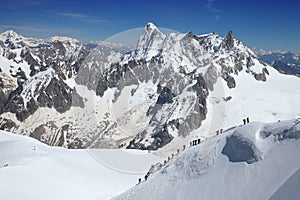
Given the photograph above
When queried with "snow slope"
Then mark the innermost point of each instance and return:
(255, 161)
(275, 99)
(32, 170)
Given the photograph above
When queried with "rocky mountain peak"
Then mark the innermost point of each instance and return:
(10, 34)
(150, 40)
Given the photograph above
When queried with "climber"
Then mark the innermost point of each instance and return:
(244, 120)
(248, 120)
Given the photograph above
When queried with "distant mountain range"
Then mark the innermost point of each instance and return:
(283, 61)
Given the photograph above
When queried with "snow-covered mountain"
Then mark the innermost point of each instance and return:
(255, 161)
(37, 86)
(169, 90)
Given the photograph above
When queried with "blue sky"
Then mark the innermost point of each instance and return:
(269, 25)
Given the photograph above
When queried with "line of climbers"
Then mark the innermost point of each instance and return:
(160, 165)
(192, 143)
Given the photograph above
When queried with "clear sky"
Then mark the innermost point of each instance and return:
(269, 25)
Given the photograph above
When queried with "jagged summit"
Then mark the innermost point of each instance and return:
(228, 41)
(153, 42)
(150, 41)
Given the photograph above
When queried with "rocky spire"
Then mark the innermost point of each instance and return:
(228, 40)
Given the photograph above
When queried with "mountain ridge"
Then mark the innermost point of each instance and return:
(96, 96)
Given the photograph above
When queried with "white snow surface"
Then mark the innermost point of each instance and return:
(32, 170)
(254, 161)
(275, 99)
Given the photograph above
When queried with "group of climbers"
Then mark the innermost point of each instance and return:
(219, 131)
(246, 120)
(195, 142)
(146, 177)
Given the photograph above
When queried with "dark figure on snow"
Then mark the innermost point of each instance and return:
(248, 120)
(244, 120)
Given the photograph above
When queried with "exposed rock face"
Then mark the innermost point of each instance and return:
(160, 139)
(57, 94)
(159, 62)
(49, 63)
(211, 77)
(89, 75)
(7, 125)
(230, 81)
(3, 96)
(165, 95)
(202, 92)
(29, 59)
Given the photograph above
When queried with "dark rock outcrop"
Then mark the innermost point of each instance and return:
(7, 125)
(58, 95)
(160, 139)
(230, 81)
(165, 95)
(239, 149)
(228, 41)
